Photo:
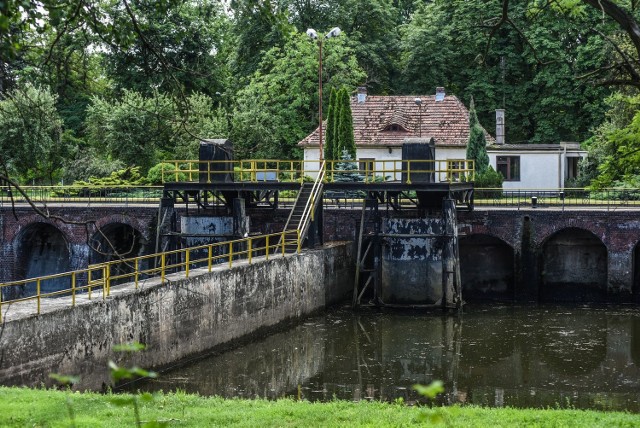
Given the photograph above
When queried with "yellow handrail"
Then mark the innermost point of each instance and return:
(262, 170)
(182, 260)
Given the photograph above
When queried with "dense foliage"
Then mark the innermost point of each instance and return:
(134, 82)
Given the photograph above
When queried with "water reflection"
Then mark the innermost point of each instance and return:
(495, 356)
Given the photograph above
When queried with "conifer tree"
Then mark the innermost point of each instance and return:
(330, 134)
(477, 144)
(344, 130)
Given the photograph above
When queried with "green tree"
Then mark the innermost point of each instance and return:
(258, 27)
(30, 141)
(171, 46)
(613, 149)
(477, 144)
(135, 130)
(344, 129)
(330, 134)
(530, 68)
(202, 119)
(373, 25)
(279, 105)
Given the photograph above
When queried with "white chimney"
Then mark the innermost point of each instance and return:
(362, 94)
(500, 126)
(440, 93)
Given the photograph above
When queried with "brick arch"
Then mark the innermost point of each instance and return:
(487, 265)
(40, 248)
(574, 266)
(141, 225)
(509, 233)
(550, 229)
(68, 231)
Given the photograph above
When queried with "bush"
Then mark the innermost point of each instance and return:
(489, 179)
(155, 174)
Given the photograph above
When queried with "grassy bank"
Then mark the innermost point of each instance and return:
(21, 407)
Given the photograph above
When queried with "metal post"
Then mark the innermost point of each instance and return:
(162, 264)
(38, 293)
(107, 278)
(230, 255)
(73, 288)
(267, 247)
(299, 241)
(320, 100)
(186, 263)
(89, 283)
(136, 272)
(250, 250)
(209, 261)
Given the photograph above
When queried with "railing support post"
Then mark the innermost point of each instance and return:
(73, 288)
(299, 241)
(186, 263)
(267, 247)
(107, 277)
(230, 255)
(162, 264)
(38, 294)
(209, 257)
(137, 272)
(250, 249)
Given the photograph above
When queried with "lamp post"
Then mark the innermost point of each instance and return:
(335, 31)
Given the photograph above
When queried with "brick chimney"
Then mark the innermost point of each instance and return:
(362, 94)
(500, 126)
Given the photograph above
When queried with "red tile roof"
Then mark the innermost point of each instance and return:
(447, 121)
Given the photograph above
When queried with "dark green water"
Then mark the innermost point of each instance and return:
(519, 356)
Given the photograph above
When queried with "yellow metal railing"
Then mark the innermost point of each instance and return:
(261, 170)
(99, 194)
(103, 276)
(314, 196)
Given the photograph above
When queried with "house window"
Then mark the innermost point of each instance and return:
(509, 167)
(572, 167)
(453, 170)
(367, 166)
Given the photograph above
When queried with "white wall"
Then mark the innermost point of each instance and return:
(541, 170)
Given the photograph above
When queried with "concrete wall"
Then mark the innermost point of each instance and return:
(181, 318)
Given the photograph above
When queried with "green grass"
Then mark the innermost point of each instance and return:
(21, 407)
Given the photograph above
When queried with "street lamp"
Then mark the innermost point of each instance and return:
(335, 31)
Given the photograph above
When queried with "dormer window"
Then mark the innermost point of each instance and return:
(396, 122)
(394, 127)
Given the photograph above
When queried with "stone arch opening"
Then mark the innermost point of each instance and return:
(116, 241)
(573, 267)
(41, 249)
(486, 268)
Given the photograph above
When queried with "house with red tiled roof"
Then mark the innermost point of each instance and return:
(383, 124)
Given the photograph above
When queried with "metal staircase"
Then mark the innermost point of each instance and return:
(302, 213)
